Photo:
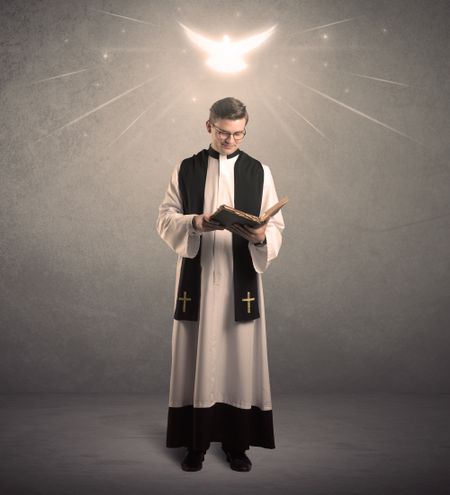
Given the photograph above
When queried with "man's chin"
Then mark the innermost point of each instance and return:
(228, 150)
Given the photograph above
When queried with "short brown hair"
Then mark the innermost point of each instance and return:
(228, 108)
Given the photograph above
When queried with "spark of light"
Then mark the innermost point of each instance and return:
(66, 74)
(379, 79)
(354, 110)
(326, 25)
(226, 56)
(99, 107)
(122, 17)
(306, 120)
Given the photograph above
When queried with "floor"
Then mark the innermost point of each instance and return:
(326, 444)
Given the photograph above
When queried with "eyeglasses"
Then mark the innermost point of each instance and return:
(238, 135)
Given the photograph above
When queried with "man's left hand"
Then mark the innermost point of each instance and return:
(254, 235)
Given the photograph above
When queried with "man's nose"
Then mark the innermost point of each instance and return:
(229, 137)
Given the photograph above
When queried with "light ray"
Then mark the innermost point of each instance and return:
(180, 94)
(329, 24)
(131, 125)
(103, 105)
(416, 222)
(326, 48)
(354, 110)
(166, 109)
(306, 120)
(399, 226)
(287, 130)
(66, 74)
(137, 49)
(123, 17)
(318, 172)
(379, 79)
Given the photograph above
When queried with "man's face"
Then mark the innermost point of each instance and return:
(225, 144)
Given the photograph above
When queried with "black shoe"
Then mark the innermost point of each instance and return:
(193, 460)
(238, 460)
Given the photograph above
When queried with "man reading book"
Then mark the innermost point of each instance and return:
(219, 384)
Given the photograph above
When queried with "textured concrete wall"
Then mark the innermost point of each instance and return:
(353, 118)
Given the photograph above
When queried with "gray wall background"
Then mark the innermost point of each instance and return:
(359, 299)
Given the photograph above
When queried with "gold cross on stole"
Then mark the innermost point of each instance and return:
(185, 299)
(248, 300)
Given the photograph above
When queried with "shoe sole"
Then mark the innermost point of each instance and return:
(234, 468)
(191, 470)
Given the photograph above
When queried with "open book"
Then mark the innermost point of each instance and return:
(226, 215)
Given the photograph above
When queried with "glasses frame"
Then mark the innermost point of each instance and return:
(226, 135)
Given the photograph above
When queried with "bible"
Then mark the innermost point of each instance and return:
(227, 215)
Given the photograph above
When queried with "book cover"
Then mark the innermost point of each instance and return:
(227, 215)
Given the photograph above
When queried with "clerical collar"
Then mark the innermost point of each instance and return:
(215, 154)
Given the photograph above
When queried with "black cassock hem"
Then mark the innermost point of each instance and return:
(238, 429)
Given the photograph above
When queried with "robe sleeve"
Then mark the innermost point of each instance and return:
(262, 256)
(175, 228)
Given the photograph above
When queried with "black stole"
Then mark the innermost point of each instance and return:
(248, 189)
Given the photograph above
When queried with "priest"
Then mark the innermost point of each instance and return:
(219, 384)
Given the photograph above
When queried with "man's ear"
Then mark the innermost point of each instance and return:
(208, 126)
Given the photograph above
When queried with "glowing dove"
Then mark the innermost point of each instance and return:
(226, 55)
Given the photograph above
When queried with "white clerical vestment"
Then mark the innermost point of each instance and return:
(216, 361)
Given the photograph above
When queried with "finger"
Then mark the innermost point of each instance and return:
(214, 226)
(207, 218)
(239, 228)
(235, 230)
(212, 222)
(256, 230)
(243, 231)
(242, 234)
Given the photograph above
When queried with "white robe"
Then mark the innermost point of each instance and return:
(216, 359)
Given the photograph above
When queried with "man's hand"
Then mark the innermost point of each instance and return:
(203, 223)
(254, 235)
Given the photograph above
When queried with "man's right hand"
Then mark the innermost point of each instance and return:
(203, 223)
